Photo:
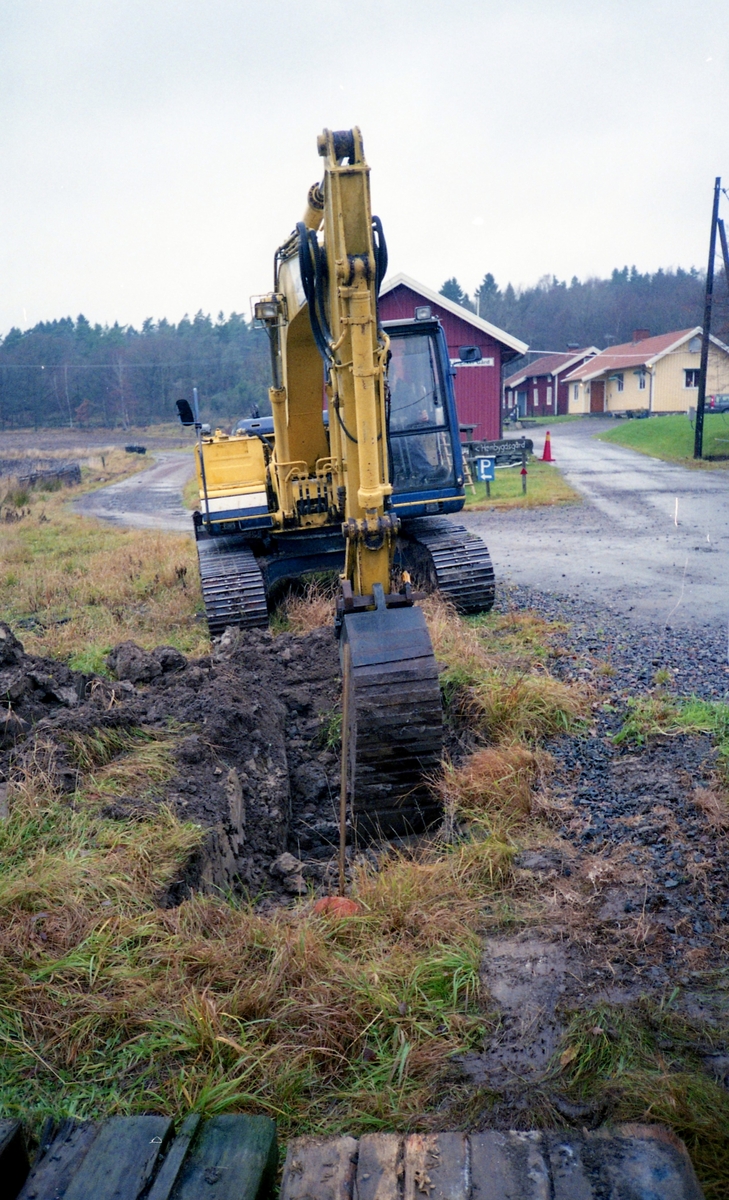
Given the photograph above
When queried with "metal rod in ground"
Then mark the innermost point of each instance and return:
(346, 697)
(706, 333)
(523, 470)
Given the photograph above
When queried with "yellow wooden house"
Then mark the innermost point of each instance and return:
(654, 374)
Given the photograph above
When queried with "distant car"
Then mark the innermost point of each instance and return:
(718, 403)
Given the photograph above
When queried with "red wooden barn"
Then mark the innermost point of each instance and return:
(478, 372)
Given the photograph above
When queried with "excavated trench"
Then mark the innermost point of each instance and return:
(255, 736)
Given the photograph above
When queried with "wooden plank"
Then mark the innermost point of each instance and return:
(59, 1159)
(169, 1172)
(508, 1166)
(13, 1159)
(437, 1166)
(319, 1169)
(379, 1167)
(121, 1160)
(234, 1157)
(644, 1160)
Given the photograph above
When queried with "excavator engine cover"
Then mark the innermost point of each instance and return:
(394, 738)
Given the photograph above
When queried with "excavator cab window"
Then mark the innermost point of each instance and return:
(420, 441)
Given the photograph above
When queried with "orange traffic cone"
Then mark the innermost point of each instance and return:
(547, 455)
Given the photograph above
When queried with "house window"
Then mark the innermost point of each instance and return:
(694, 345)
(576, 392)
(536, 397)
(549, 394)
(641, 381)
(619, 382)
(691, 377)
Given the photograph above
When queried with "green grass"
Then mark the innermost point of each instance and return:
(545, 485)
(672, 437)
(111, 1004)
(660, 714)
(644, 1062)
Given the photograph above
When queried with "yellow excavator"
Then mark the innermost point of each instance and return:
(355, 471)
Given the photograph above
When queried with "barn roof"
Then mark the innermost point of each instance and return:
(549, 364)
(464, 314)
(636, 354)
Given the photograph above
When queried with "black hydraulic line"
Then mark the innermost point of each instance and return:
(308, 282)
(380, 253)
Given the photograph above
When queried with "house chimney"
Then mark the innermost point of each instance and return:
(640, 335)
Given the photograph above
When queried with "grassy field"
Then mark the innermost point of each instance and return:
(111, 1004)
(545, 485)
(74, 587)
(672, 438)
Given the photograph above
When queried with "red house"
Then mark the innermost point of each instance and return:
(539, 389)
(477, 350)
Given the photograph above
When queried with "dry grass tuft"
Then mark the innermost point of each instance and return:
(301, 612)
(495, 680)
(77, 586)
(713, 805)
(494, 786)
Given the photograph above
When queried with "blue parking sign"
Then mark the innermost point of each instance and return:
(485, 465)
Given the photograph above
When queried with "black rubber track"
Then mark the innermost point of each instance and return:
(460, 563)
(232, 585)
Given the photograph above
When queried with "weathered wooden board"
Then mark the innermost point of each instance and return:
(121, 1160)
(13, 1159)
(227, 1158)
(58, 1161)
(319, 1169)
(234, 1157)
(171, 1168)
(380, 1166)
(627, 1163)
(508, 1165)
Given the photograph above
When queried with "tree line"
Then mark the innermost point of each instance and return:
(553, 314)
(71, 373)
(74, 374)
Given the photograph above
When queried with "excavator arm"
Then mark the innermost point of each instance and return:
(327, 344)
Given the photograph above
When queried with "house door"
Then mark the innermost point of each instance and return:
(521, 404)
(597, 396)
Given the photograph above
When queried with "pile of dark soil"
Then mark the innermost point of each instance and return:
(253, 766)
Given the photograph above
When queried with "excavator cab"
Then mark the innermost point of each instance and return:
(425, 457)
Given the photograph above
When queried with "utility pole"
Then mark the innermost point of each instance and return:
(724, 249)
(708, 300)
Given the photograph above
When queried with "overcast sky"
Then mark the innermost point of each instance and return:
(153, 153)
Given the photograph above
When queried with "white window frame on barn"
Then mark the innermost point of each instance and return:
(576, 394)
(641, 381)
(549, 394)
(535, 396)
(620, 381)
(691, 373)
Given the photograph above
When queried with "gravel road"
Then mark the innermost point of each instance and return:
(650, 538)
(150, 500)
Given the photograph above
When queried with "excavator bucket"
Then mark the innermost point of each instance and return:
(393, 738)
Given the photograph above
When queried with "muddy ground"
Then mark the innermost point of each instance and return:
(622, 891)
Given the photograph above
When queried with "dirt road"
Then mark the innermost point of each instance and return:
(650, 538)
(150, 500)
